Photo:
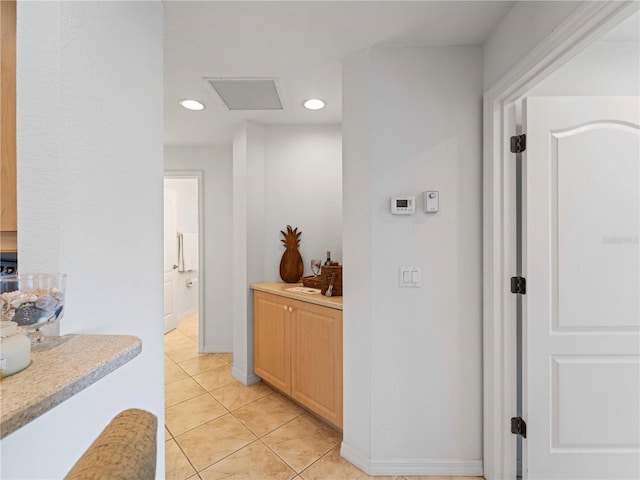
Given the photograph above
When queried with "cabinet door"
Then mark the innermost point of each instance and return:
(271, 340)
(316, 359)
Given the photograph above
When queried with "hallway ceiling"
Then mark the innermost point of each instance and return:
(301, 44)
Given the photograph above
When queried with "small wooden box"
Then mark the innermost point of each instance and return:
(328, 271)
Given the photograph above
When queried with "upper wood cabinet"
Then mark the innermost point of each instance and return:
(8, 212)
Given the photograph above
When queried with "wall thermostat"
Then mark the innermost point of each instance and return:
(403, 205)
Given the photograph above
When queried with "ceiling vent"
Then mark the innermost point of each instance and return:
(247, 93)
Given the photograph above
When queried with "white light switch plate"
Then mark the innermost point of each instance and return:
(410, 277)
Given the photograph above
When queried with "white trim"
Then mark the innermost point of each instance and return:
(199, 176)
(427, 467)
(587, 23)
(403, 466)
(218, 348)
(243, 377)
(355, 457)
(186, 314)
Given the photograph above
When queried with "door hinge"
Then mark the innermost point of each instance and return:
(518, 143)
(519, 285)
(519, 427)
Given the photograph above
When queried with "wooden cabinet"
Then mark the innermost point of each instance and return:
(316, 360)
(8, 216)
(272, 340)
(298, 349)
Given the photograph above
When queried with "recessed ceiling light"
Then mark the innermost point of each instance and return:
(313, 104)
(192, 104)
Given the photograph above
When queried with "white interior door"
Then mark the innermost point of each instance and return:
(581, 319)
(170, 259)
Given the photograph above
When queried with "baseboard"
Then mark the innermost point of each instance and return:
(186, 314)
(419, 467)
(243, 377)
(355, 457)
(425, 467)
(209, 348)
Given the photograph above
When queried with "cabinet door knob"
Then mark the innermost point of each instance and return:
(290, 309)
(285, 308)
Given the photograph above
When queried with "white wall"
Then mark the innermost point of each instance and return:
(526, 25)
(90, 205)
(248, 245)
(216, 164)
(415, 354)
(303, 188)
(357, 122)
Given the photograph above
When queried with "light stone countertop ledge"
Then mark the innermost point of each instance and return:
(57, 374)
(282, 289)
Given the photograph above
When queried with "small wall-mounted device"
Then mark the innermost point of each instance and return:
(403, 205)
(431, 202)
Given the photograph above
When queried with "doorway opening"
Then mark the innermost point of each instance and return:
(183, 259)
(500, 242)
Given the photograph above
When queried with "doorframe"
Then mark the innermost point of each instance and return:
(586, 24)
(199, 176)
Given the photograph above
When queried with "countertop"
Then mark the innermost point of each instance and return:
(57, 374)
(281, 289)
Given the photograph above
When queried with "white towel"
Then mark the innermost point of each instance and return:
(180, 253)
(189, 255)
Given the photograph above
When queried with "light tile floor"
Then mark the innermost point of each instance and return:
(217, 428)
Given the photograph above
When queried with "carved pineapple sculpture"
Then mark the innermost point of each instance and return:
(291, 266)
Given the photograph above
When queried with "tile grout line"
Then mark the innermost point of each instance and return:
(197, 426)
(228, 455)
(319, 458)
(217, 388)
(186, 457)
(281, 459)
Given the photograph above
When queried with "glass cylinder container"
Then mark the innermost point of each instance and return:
(15, 349)
(33, 301)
